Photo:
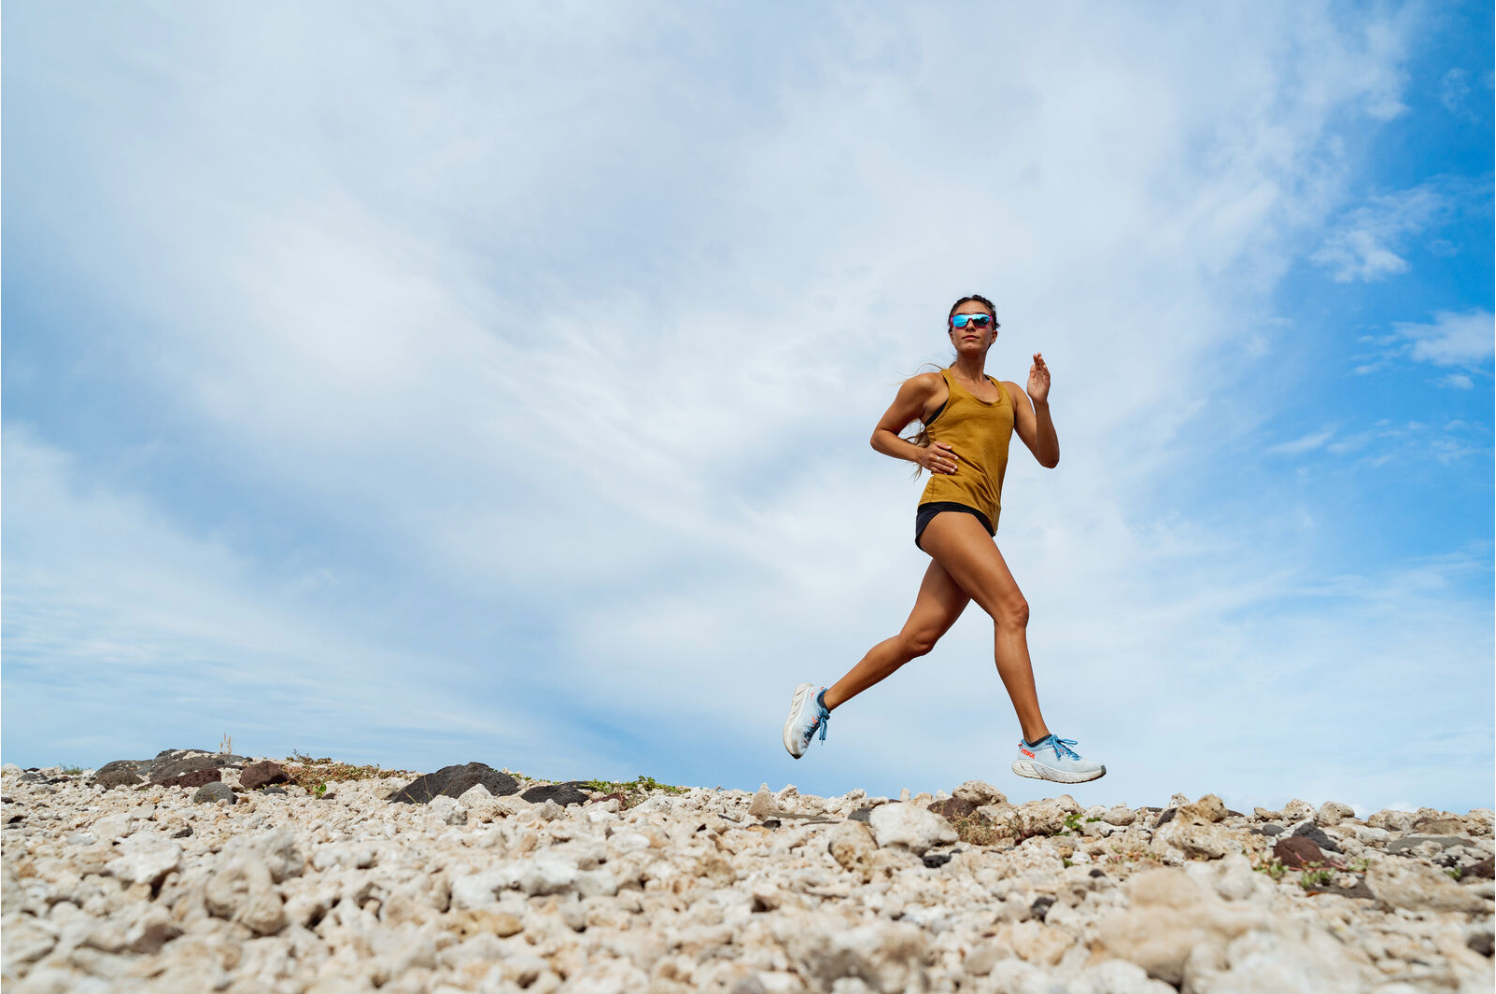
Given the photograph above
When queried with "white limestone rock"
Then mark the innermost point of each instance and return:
(979, 792)
(447, 809)
(144, 859)
(1405, 883)
(909, 827)
(241, 890)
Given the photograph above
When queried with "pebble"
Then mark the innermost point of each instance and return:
(723, 890)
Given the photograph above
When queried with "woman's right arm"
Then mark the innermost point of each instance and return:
(908, 406)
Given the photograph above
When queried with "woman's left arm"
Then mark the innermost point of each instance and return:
(1032, 421)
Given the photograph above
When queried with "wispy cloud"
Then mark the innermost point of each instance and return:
(1367, 244)
(1452, 339)
(1454, 93)
(1306, 443)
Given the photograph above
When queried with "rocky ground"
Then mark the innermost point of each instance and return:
(194, 872)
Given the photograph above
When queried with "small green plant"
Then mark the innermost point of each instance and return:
(1067, 862)
(70, 771)
(633, 791)
(320, 790)
(1455, 872)
(1273, 868)
(1312, 879)
(308, 774)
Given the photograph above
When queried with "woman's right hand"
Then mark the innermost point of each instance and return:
(939, 459)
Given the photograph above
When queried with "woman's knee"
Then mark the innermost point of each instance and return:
(918, 643)
(1011, 612)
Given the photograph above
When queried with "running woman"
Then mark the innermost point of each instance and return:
(968, 418)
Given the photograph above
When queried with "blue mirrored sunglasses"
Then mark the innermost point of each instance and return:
(962, 320)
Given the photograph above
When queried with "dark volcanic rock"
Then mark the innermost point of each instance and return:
(196, 778)
(1041, 906)
(1317, 836)
(861, 814)
(119, 777)
(257, 775)
(454, 781)
(272, 790)
(936, 860)
(182, 833)
(562, 793)
(953, 807)
(1267, 829)
(211, 792)
(1165, 818)
(126, 765)
(1297, 851)
(171, 767)
(1483, 870)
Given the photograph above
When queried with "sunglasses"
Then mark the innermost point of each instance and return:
(979, 320)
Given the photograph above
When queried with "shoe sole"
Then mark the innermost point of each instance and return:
(1038, 771)
(796, 703)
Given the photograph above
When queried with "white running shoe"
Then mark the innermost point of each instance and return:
(1049, 759)
(806, 715)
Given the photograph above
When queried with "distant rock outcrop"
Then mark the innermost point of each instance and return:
(454, 781)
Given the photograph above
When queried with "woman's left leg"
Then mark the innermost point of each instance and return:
(939, 604)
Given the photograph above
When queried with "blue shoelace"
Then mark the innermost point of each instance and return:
(1059, 748)
(823, 717)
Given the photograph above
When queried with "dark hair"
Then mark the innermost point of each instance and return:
(991, 308)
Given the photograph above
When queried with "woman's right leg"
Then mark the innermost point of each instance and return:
(958, 542)
(939, 604)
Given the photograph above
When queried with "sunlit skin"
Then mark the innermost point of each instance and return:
(965, 562)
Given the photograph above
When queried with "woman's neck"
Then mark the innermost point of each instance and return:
(971, 367)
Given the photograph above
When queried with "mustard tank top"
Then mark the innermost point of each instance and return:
(979, 433)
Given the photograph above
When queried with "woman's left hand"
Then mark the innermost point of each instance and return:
(1038, 381)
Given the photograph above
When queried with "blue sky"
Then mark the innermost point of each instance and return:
(418, 387)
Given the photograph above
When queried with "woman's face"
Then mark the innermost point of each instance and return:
(972, 338)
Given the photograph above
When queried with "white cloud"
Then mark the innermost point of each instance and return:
(159, 633)
(1366, 245)
(1452, 339)
(1458, 380)
(1299, 446)
(1454, 89)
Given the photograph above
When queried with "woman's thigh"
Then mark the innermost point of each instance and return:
(940, 602)
(961, 546)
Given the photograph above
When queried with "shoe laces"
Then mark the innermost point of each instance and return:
(1059, 748)
(823, 717)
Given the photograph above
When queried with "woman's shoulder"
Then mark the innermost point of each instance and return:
(923, 385)
(928, 380)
